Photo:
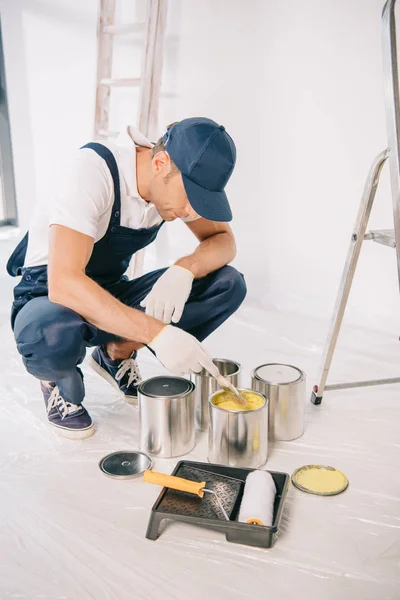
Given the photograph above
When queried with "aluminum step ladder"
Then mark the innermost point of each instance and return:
(153, 33)
(387, 237)
(149, 82)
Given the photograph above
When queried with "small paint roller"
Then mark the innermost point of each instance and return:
(257, 507)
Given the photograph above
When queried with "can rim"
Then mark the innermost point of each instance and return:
(256, 376)
(240, 412)
(223, 360)
(130, 476)
(191, 387)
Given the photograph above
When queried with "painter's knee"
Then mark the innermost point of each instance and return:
(236, 284)
(47, 338)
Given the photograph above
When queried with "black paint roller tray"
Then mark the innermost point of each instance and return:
(228, 483)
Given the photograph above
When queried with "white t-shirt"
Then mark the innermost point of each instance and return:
(85, 201)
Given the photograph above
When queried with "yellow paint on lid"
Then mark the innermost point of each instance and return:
(320, 480)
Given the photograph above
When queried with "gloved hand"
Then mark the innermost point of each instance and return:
(168, 297)
(181, 352)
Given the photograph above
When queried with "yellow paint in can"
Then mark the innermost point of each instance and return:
(227, 401)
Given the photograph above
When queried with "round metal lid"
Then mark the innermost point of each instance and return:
(320, 480)
(125, 464)
(166, 387)
(278, 374)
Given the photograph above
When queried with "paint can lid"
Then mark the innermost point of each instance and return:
(277, 374)
(166, 387)
(125, 464)
(321, 480)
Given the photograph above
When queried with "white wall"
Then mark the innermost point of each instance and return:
(298, 86)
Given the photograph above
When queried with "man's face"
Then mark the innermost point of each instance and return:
(168, 192)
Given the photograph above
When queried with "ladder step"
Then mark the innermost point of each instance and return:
(382, 236)
(124, 28)
(125, 82)
(107, 134)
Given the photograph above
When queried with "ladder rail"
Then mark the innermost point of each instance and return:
(150, 90)
(152, 67)
(392, 105)
(104, 66)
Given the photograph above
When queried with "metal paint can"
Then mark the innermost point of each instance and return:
(238, 438)
(284, 387)
(166, 416)
(207, 385)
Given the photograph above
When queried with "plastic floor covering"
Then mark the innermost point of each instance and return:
(68, 532)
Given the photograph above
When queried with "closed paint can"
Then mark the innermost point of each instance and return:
(166, 416)
(207, 385)
(284, 387)
(238, 438)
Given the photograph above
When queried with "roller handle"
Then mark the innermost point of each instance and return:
(175, 483)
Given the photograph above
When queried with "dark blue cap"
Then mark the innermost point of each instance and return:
(205, 155)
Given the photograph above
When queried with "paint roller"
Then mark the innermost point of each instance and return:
(257, 506)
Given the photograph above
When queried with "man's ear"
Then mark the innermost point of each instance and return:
(161, 161)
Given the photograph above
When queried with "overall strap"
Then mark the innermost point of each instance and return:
(17, 258)
(109, 158)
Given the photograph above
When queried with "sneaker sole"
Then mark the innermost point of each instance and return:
(73, 434)
(132, 400)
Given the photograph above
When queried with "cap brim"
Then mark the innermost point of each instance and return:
(210, 205)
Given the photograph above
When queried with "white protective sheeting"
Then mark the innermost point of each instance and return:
(69, 532)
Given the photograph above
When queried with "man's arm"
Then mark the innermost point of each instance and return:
(69, 253)
(217, 247)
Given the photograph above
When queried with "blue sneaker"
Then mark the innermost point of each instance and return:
(123, 374)
(71, 420)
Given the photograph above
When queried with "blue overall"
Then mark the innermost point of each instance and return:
(52, 339)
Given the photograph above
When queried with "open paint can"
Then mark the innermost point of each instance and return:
(284, 387)
(207, 385)
(166, 416)
(238, 436)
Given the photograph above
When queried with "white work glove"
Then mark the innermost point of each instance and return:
(169, 295)
(181, 352)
